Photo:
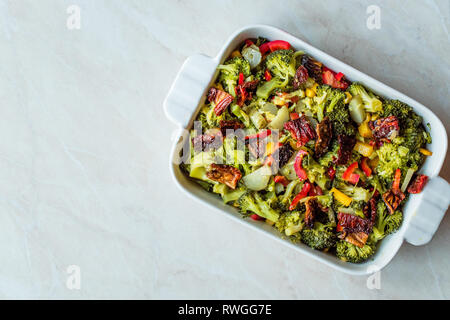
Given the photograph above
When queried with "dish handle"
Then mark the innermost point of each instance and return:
(429, 213)
(188, 88)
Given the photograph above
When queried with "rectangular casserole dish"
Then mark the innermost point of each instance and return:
(422, 213)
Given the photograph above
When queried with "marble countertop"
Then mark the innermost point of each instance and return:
(88, 208)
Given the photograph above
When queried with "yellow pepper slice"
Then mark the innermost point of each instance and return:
(341, 197)
(425, 152)
(364, 148)
(235, 54)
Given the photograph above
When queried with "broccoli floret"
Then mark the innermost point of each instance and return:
(229, 73)
(350, 253)
(327, 159)
(370, 100)
(320, 237)
(252, 201)
(316, 173)
(396, 108)
(281, 64)
(290, 223)
(265, 89)
(397, 155)
(356, 193)
(386, 223)
(337, 111)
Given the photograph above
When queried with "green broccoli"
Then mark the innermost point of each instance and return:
(316, 173)
(229, 73)
(350, 253)
(370, 100)
(252, 201)
(320, 237)
(396, 108)
(337, 111)
(281, 64)
(291, 223)
(386, 223)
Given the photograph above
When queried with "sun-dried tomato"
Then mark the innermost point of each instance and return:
(224, 174)
(392, 199)
(324, 135)
(301, 130)
(245, 90)
(352, 224)
(385, 128)
(230, 125)
(206, 142)
(221, 99)
(346, 145)
(418, 184)
(313, 66)
(301, 75)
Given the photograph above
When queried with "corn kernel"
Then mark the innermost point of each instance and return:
(348, 97)
(310, 93)
(235, 54)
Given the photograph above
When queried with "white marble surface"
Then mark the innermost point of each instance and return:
(85, 143)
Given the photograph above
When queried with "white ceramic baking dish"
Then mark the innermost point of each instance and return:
(422, 213)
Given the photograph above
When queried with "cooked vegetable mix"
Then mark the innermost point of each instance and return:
(296, 145)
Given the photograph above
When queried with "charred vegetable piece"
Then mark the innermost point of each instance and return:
(206, 142)
(282, 155)
(313, 66)
(385, 128)
(418, 184)
(392, 199)
(224, 174)
(311, 208)
(346, 145)
(244, 91)
(324, 134)
(358, 239)
(230, 125)
(301, 130)
(221, 99)
(301, 75)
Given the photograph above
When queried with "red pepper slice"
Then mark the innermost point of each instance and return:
(339, 76)
(348, 173)
(256, 217)
(260, 135)
(294, 115)
(397, 177)
(274, 46)
(329, 79)
(354, 178)
(241, 78)
(365, 167)
(282, 180)
(301, 173)
(267, 75)
(303, 193)
(248, 42)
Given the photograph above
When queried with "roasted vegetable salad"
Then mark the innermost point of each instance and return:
(291, 143)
